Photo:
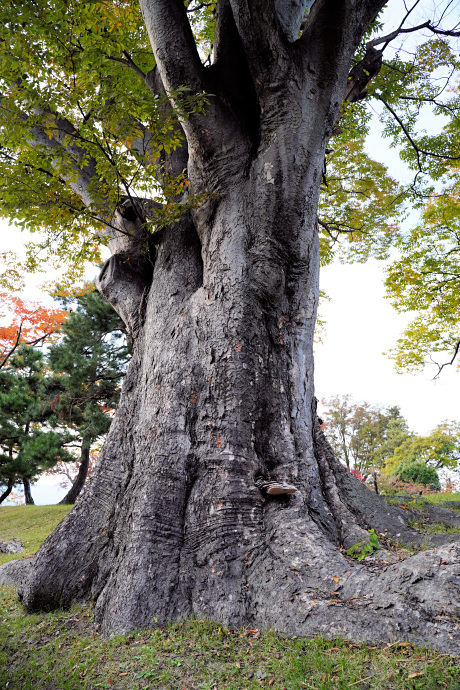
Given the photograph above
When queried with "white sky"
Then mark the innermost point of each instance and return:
(361, 325)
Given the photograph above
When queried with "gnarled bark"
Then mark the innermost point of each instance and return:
(220, 390)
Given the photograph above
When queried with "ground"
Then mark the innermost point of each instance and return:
(63, 650)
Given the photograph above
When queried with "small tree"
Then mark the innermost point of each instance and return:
(363, 435)
(30, 439)
(28, 323)
(419, 473)
(439, 450)
(90, 361)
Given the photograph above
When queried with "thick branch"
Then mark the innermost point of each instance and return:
(8, 490)
(261, 35)
(231, 70)
(332, 32)
(329, 20)
(290, 14)
(362, 74)
(394, 34)
(173, 44)
(83, 167)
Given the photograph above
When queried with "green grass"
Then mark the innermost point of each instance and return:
(441, 498)
(62, 650)
(436, 528)
(32, 524)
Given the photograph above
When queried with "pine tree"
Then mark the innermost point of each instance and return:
(90, 361)
(31, 439)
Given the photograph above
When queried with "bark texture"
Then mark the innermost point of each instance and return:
(220, 390)
(29, 501)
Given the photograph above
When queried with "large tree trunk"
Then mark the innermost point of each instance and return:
(79, 482)
(220, 392)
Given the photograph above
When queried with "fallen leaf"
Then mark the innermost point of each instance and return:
(334, 649)
(123, 674)
(271, 681)
(335, 578)
(250, 673)
(415, 675)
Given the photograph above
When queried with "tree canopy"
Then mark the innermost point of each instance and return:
(217, 493)
(85, 127)
(369, 437)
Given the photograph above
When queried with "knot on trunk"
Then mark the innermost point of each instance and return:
(125, 281)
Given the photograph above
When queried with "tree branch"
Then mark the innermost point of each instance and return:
(173, 44)
(447, 364)
(16, 343)
(129, 62)
(331, 25)
(417, 149)
(426, 25)
(261, 35)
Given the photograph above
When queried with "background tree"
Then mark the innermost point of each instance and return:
(426, 279)
(220, 304)
(363, 435)
(29, 323)
(90, 360)
(419, 473)
(27, 448)
(440, 449)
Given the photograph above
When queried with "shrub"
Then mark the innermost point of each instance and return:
(420, 473)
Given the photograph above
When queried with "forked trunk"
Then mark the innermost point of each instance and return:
(219, 392)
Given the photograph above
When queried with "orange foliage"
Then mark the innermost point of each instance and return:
(29, 322)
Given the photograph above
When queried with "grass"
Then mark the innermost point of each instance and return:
(417, 502)
(441, 498)
(435, 528)
(32, 524)
(63, 650)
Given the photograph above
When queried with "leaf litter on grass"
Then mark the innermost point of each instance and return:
(64, 650)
